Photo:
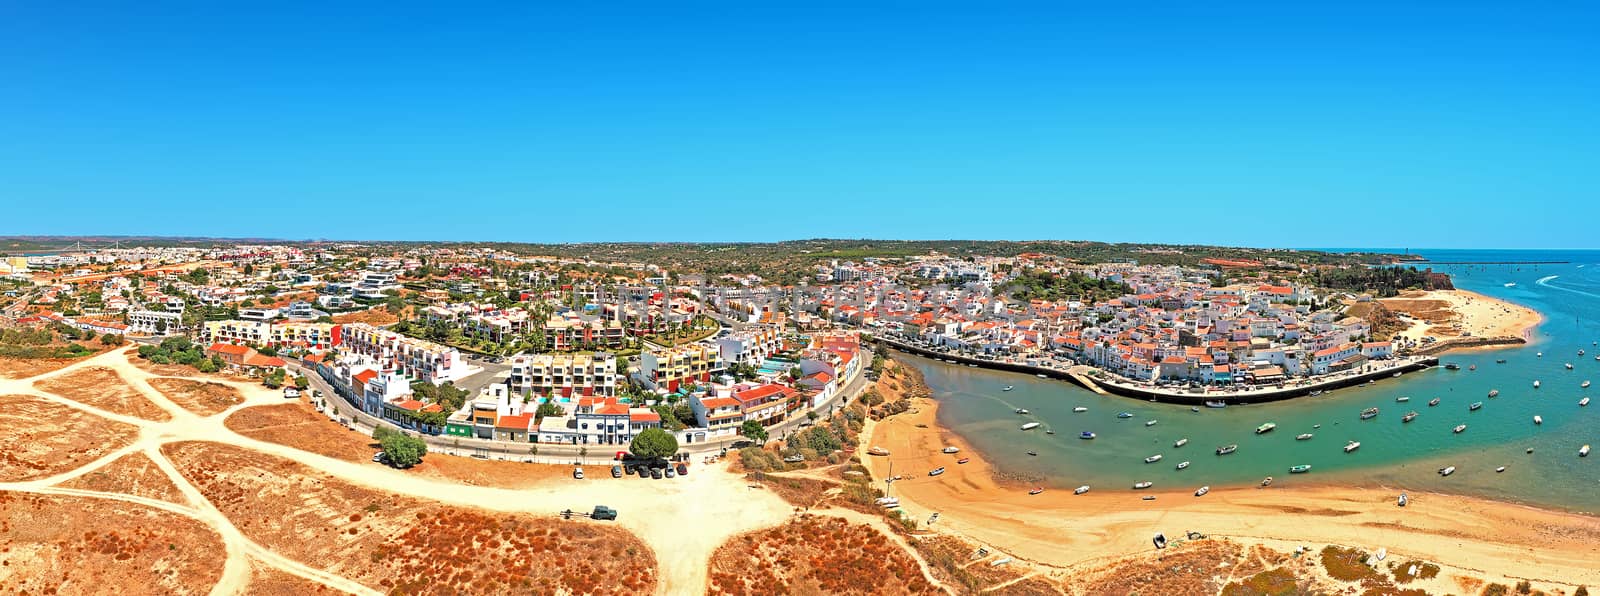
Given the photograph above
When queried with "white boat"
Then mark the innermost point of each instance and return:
(1021, 411)
(1492, 393)
(1030, 426)
(1499, 469)
(1202, 492)
(887, 500)
(1447, 470)
(1585, 385)
(1041, 375)
(1007, 388)
(1382, 552)
(1569, 366)
(1511, 284)
(1584, 452)
(1143, 485)
(1583, 402)
(1403, 399)
(1535, 384)
(1537, 419)
(1149, 423)
(1079, 410)
(878, 451)
(1460, 428)
(1153, 459)
(1403, 500)
(1182, 465)
(1303, 437)
(952, 449)
(1180, 442)
(1080, 490)
(936, 471)
(1352, 446)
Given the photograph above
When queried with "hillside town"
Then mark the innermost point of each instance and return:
(578, 352)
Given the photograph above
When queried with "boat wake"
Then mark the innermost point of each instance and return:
(1545, 281)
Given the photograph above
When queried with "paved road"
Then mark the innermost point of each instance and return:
(558, 453)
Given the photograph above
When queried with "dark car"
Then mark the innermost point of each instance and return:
(601, 512)
(655, 473)
(616, 471)
(683, 469)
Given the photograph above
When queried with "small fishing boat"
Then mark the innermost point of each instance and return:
(1584, 452)
(1352, 446)
(935, 471)
(1433, 402)
(1316, 426)
(963, 460)
(1409, 417)
(1079, 410)
(1452, 366)
(1494, 393)
(1403, 500)
(1036, 490)
(1194, 408)
(1316, 393)
(1300, 469)
(1447, 470)
(1536, 384)
(1473, 367)
(1460, 428)
(1160, 539)
(1033, 453)
(1124, 415)
(1216, 404)
(1583, 402)
(878, 451)
(1303, 437)
(1086, 435)
(1202, 492)
(1006, 388)
(1080, 490)
(1511, 284)
(1143, 485)
(1049, 432)
(951, 449)
(1585, 385)
(1537, 419)
(1030, 426)
(1403, 399)
(1369, 413)
(1569, 366)
(1153, 459)
(1148, 498)
(1475, 406)
(1180, 442)
(1226, 449)
(1021, 411)
(1538, 354)
(1149, 423)
(1503, 361)
(1266, 428)
(1499, 469)
(1182, 465)
(1041, 375)
(1265, 482)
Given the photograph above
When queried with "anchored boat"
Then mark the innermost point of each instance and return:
(1030, 426)
(1202, 492)
(1459, 429)
(1369, 413)
(1403, 399)
(1447, 470)
(1352, 446)
(1079, 410)
(1180, 442)
(1433, 402)
(1266, 428)
(1086, 435)
(1474, 407)
(1149, 423)
(1124, 415)
(1143, 485)
(1153, 459)
(1226, 449)
(1409, 416)
(1300, 469)
(1080, 490)
(1182, 465)
(1303, 437)
(952, 449)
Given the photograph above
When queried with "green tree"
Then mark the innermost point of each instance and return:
(653, 443)
(301, 382)
(754, 431)
(403, 450)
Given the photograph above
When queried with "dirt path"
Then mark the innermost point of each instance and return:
(683, 521)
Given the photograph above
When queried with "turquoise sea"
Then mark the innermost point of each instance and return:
(1392, 454)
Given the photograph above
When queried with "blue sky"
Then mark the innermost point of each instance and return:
(1346, 124)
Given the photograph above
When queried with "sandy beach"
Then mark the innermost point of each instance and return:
(1474, 537)
(1446, 314)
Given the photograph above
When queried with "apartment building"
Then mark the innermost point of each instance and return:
(415, 358)
(672, 368)
(572, 332)
(154, 322)
(750, 346)
(564, 375)
(314, 336)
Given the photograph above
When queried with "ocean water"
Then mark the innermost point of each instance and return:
(1402, 456)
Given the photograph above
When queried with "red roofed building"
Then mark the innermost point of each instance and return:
(765, 404)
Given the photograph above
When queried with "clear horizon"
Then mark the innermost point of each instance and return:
(1251, 124)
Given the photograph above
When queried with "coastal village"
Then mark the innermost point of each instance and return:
(495, 358)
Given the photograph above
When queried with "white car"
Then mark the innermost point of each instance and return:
(577, 473)
(380, 457)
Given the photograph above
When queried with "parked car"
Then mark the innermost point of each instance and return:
(655, 473)
(577, 473)
(670, 473)
(380, 457)
(683, 469)
(616, 471)
(601, 512)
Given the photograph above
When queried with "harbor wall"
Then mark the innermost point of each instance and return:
(1262, 395)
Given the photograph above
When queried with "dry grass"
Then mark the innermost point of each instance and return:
(44, 438)
(1184, 568)
(1348, 564)
(375, 316)
(133, 474)
(72, 545)
(1273, 582)
(266, 581)
(406, 545)
(22, 368)
(102, 388)
(815, 555)
(201, 397)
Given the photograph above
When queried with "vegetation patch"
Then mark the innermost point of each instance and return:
(815, 555)
(1272, 582)
(1348, 564)
(1424, 570)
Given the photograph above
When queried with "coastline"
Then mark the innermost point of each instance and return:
(1474, 321)
(1057, 528)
